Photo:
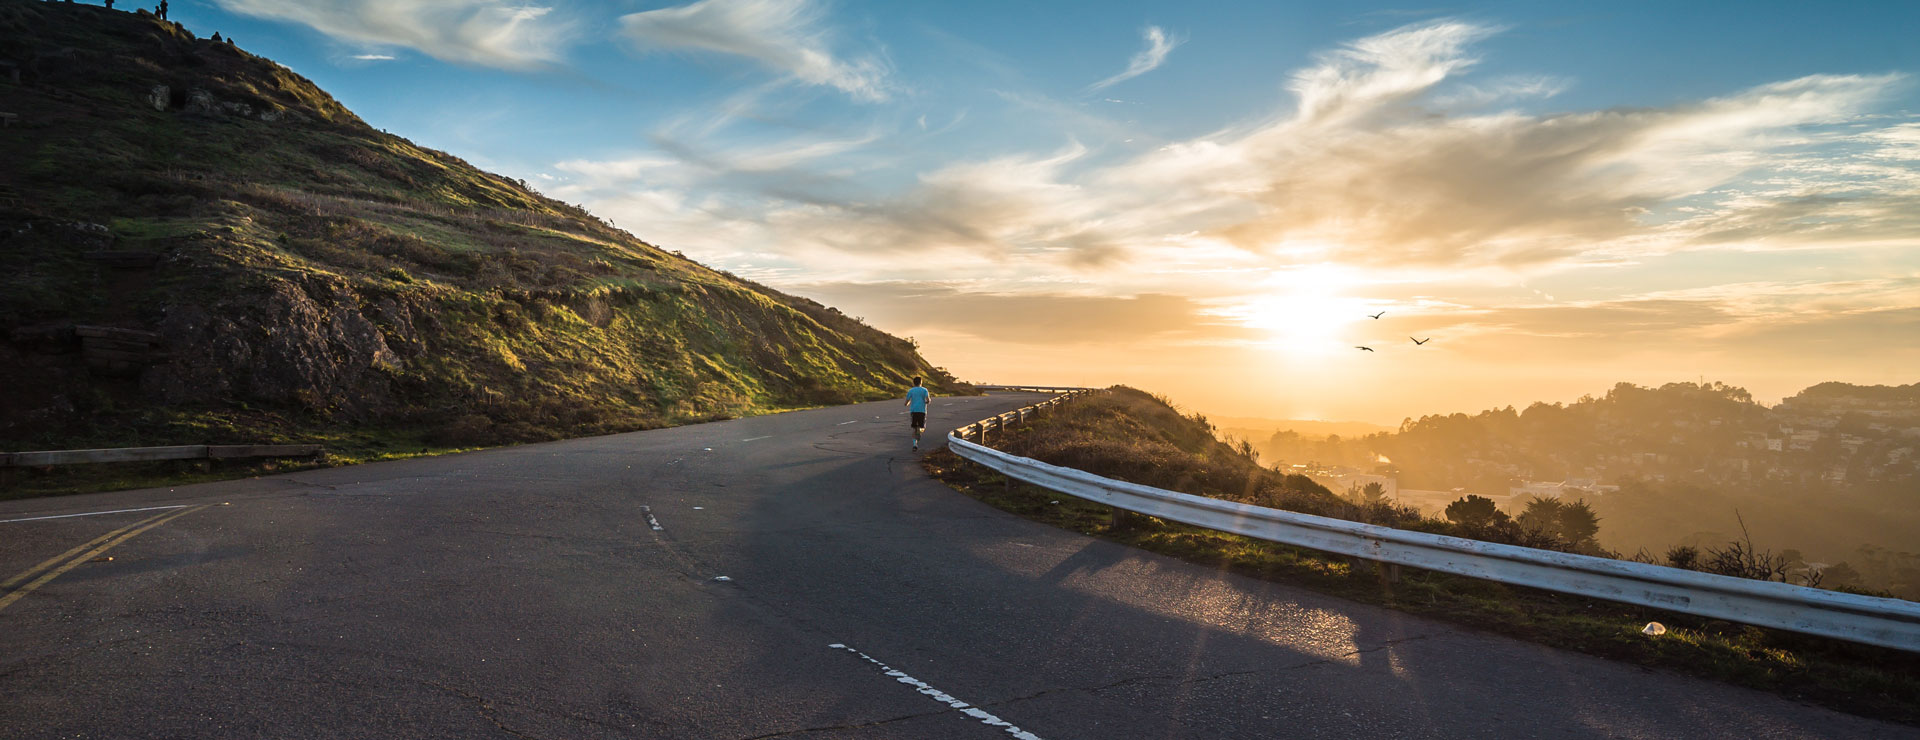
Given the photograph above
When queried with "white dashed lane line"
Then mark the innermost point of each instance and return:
(647, 511)
(844, 423)
(755, 439)
(943, 697)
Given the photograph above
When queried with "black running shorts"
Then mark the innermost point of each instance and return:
(919, 419)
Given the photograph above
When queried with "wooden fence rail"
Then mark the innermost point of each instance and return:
(145, 454)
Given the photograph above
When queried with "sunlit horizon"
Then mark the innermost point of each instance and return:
(1212, 202)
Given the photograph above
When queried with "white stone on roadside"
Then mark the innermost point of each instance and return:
(1655, 629)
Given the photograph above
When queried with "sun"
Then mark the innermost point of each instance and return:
(1306, 312)
(1305, 322)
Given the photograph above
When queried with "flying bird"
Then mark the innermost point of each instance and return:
(1369, 349)
(1377, 315)
(1421, 341)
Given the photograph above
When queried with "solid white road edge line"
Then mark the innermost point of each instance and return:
(92, 513)
(943, 697)
(651, 522)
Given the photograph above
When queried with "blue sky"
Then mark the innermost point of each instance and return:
(1184, 195)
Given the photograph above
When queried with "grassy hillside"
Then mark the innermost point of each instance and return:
(279, 270)
(1133, 436)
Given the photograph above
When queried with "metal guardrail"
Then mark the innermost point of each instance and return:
(1029, 388)
(1891, 623)
(979, 429)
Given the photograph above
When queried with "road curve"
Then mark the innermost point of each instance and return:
(786, 576)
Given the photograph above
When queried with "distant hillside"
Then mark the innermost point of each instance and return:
(198, 245)
(1908, 395)
(1832, 473)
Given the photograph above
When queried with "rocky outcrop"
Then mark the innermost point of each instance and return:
(112, 350)
(310, 343)
(200, 101)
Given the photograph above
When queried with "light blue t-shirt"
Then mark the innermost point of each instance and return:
(917, 399)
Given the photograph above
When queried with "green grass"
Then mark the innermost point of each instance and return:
(1128, 432)
(512, 317)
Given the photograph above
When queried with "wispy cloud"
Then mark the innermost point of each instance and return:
(373, 57)
(1159, 45)
(1375, 159)
(1029, 317)
(787, 36)
(479, 32)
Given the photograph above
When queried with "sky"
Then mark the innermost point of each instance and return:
(1211, 200)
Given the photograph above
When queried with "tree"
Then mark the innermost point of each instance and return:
(1578, 523)
(1542, 515)
(1372, 492)
(1474, 511)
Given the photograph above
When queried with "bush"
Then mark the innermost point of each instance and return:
(470, 430)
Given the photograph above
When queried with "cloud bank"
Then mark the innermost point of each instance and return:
(1380, 155)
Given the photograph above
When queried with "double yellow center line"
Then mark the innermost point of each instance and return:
(71, 559)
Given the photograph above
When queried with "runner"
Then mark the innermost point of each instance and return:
(917, 398)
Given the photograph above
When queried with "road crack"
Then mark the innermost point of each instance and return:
(486, 707)
(854, 726)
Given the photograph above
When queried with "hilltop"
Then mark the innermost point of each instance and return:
(198, 245)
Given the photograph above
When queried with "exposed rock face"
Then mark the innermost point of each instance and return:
(200, 101)
(309, 344)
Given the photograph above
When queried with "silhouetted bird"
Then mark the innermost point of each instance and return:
(1378, 315)
(1421, 341)
(1369, 349)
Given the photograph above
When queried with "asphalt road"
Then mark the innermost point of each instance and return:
(806, 580)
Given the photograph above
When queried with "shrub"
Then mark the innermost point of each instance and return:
(470, 430)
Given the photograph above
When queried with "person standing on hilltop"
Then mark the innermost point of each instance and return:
(162, 10)
(917, 398)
